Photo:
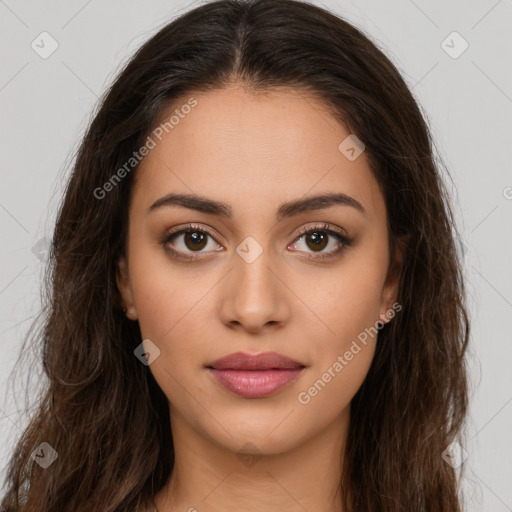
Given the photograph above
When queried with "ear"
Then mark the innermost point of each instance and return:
(391, 287)
(125, 289)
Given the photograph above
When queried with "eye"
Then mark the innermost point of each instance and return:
(190, 238)
(317, 238)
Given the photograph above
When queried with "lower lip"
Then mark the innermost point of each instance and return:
(255, 383)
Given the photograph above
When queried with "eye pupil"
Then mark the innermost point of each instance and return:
(196, 238)
(318, 239)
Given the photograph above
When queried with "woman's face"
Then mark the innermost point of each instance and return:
(244, 279)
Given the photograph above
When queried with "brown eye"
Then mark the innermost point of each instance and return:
(317, 241)
(183, 243)
(195, 240)
(318, 238)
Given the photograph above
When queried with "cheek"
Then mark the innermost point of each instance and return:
(344, 301)
(169, 311)
(348, 303)
(166, 295)
(344, 355)
(329, 392)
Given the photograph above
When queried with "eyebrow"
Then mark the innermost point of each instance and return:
(285, 210)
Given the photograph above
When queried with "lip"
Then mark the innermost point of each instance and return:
(255, 375)
(263, 361)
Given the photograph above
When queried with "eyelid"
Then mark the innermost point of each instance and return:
(324, 226)
(189, 227)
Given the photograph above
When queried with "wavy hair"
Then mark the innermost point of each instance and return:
(104, 413)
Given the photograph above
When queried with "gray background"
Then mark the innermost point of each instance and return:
(46, 104)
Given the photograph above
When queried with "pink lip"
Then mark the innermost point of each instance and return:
(254, 383)
(255, 376)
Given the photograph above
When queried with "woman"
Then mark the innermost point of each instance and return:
(255, 297)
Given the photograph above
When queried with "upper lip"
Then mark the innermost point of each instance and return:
(264, 361)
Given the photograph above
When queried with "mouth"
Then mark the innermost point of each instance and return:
(255, 376)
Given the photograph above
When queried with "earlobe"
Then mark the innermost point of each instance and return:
(125, 290)
(131, 313)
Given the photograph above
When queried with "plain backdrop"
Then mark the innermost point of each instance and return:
(462, 80)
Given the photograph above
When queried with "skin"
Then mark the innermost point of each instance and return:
(255, 152)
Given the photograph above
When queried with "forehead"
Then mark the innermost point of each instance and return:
(279, 145)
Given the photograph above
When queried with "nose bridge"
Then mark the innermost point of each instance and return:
(253, 295)
(252, 265)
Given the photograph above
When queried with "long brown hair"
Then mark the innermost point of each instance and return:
(103, 412)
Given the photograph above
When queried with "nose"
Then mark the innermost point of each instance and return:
(254, 297)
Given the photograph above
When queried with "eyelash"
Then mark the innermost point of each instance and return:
(323, 228)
